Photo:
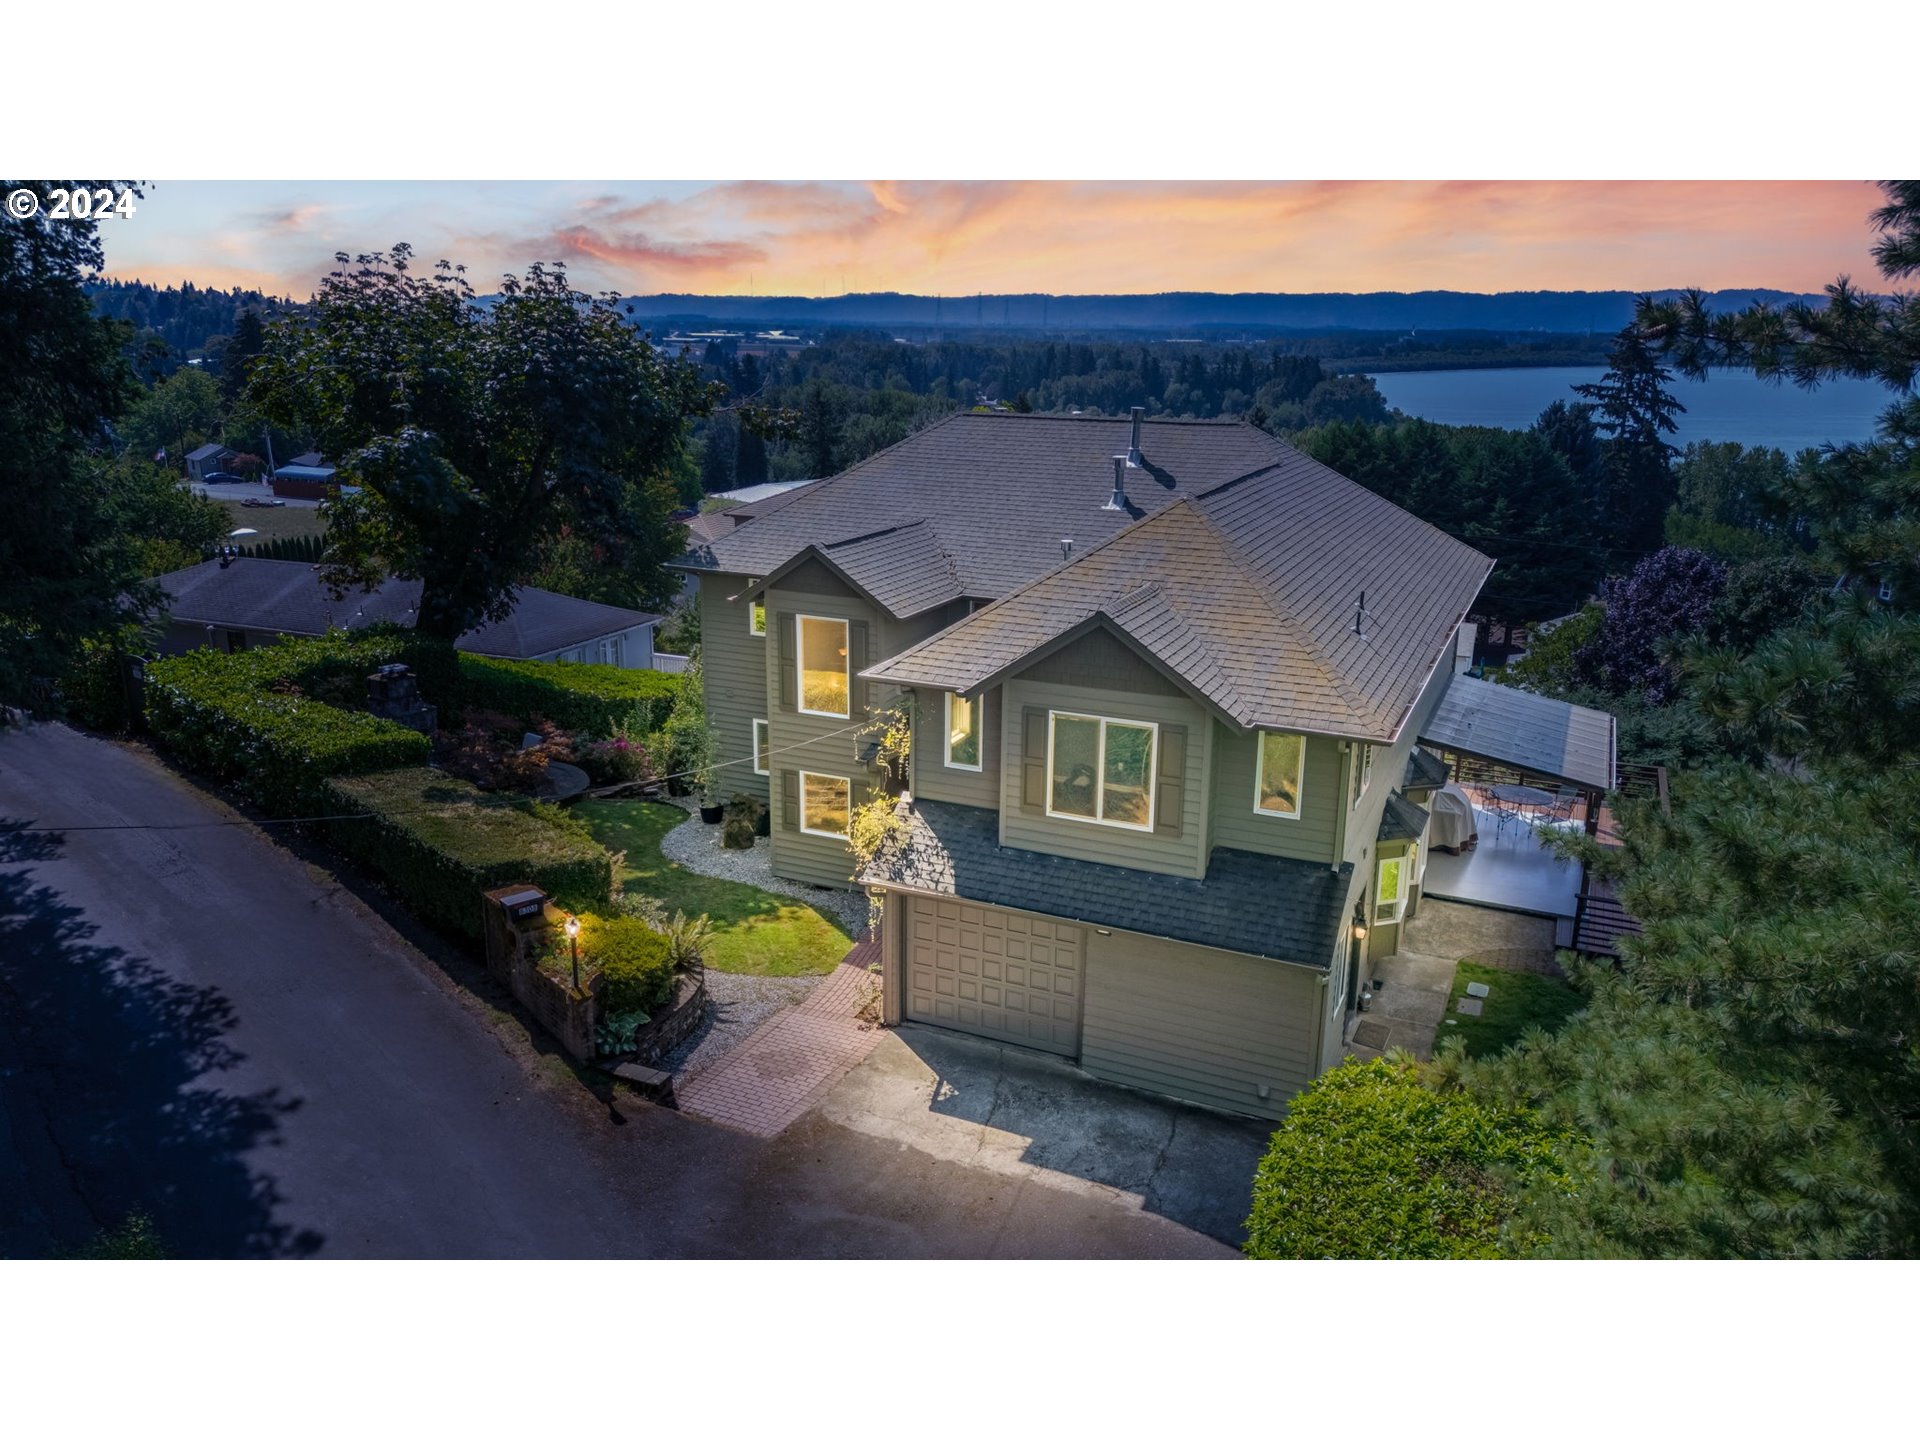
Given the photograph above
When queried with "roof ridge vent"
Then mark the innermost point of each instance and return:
(1135, 460)
(1118, 500)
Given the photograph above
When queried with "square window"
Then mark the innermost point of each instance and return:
(757, 616)
(826, 802)
(1278, 774)
(1101, 770)
(825, 681)
(761, 759)
(963, 732)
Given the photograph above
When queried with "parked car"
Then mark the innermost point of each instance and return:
(221, 477)
(259, 502)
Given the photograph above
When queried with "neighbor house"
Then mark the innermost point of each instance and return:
(207, 460)
(236, 603)
(1168, 683)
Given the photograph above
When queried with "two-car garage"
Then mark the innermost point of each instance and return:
(1231, 1031)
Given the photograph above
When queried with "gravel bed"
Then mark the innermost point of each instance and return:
(740, 1005)
(697, 846)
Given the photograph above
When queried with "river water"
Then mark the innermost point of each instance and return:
(1732, 405)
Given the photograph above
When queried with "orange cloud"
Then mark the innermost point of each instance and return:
(953, 237)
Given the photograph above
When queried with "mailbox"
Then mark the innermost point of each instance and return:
(527, 904)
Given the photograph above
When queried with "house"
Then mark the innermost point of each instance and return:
(207, 460)
(237, 603)
(305, 482)
(1174, 689)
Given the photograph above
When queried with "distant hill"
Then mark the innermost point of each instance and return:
(1558, 311)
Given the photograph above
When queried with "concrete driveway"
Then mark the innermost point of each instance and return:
(270, 1059)
(1030, 1120)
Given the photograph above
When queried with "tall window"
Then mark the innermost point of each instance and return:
(963, 732)
(1100, 770)
(1390, 891)
(825, 803)
(1362, 770)
(761, 759)
(757, 616)
(825, 687)
(1276, 783)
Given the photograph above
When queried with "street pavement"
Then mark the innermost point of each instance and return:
(204, 1024)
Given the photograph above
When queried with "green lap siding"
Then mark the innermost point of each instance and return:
(1238, 826)
(933, 779)
(733, 666)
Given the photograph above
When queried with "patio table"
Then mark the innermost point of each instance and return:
(1522, 797)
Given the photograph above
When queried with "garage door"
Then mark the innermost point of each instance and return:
(997, 973)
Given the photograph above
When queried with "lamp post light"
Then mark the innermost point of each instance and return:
(573, 940)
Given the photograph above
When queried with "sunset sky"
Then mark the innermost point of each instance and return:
(954, 238)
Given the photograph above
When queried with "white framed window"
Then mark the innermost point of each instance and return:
(963, 720)
(826, 682)
(1279, 774)
(826, 803)
(1390, 890)
(757, 616)
(762, 761)
(1101, 770)
(1362, 770)
(1886, 590)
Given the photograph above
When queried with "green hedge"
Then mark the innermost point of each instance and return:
(1374, 1164)
(441, 843)
(593, 698)
(231, 716)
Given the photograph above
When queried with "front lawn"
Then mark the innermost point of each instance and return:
(273, 523)
(755, 932)
(1516, 1002)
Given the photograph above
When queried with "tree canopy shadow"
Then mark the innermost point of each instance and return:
(109, 1073)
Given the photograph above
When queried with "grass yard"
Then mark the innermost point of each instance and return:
(755, 932)
(273, 524)
(1516, 1003)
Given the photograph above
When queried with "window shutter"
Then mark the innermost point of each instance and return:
(1033, 761)
(1170, 789)
(788, 661)
(789, 799)
(856, 662)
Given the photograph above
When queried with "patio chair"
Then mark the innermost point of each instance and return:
(1565, 801)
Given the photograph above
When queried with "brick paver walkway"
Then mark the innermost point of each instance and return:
(774, 1076)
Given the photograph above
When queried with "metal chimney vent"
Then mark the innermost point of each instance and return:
(1118, 500)
(1135, 460)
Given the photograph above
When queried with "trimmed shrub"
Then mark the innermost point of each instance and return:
(593, 698)
(441, 843)
(279, 748)
(1373, 1164)
(633, 959)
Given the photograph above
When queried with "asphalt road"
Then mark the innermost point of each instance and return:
(199, 1024)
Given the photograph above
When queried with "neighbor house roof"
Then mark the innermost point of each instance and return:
(749, 494)
(998, 493)
(1248, 594)
(304, 472)
(206, 452)
(288, 597)
(1530, 732)
(1257, 904)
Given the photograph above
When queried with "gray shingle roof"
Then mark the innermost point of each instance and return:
(1401, 819)
(999, 492)
(1247, 593)
(1255, 904)
(1527, 731)
(1425, 770)
(287, 596)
